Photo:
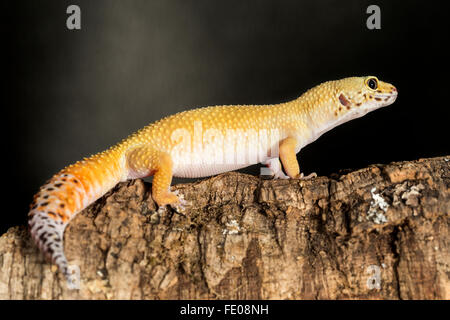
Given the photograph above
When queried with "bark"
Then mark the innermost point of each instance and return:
(377, 233)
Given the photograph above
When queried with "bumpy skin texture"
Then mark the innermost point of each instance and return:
(209, 137)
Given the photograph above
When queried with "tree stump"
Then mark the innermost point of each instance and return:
(376, 233)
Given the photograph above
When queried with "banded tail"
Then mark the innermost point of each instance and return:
(67, 193)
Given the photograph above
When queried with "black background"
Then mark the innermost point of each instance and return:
(70, 94)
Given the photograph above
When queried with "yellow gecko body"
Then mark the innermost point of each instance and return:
(198, 143)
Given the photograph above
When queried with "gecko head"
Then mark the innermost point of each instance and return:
(356, 96)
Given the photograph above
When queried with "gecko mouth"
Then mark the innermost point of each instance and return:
(390, 97)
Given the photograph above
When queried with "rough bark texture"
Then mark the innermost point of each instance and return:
(379, 233)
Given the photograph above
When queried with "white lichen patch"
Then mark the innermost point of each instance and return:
(378, 207)
(232, 227)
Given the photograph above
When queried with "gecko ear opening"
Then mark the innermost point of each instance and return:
(344, 101)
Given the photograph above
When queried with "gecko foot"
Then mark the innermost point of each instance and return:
(280, 175)
(273, 169)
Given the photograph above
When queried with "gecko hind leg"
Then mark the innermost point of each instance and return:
(161, 183)
(274, 166)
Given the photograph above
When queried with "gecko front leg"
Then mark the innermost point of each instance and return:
(289, 159)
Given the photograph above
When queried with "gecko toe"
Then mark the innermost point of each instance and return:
(309, 176)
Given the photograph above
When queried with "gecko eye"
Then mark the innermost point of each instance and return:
(372, 83)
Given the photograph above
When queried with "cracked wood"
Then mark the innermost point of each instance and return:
(247, 238)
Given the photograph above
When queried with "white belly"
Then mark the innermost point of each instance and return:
(204, 165)
(204, 170)
(222, 155)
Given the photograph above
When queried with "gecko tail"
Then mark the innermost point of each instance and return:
(56, 203)
(63, 197)
(48, 236)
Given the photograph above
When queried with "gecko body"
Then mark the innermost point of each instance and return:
(199, 143)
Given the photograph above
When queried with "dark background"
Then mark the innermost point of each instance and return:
(70, 94)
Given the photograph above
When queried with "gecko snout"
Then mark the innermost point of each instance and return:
(394, 92)
(393, 95)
